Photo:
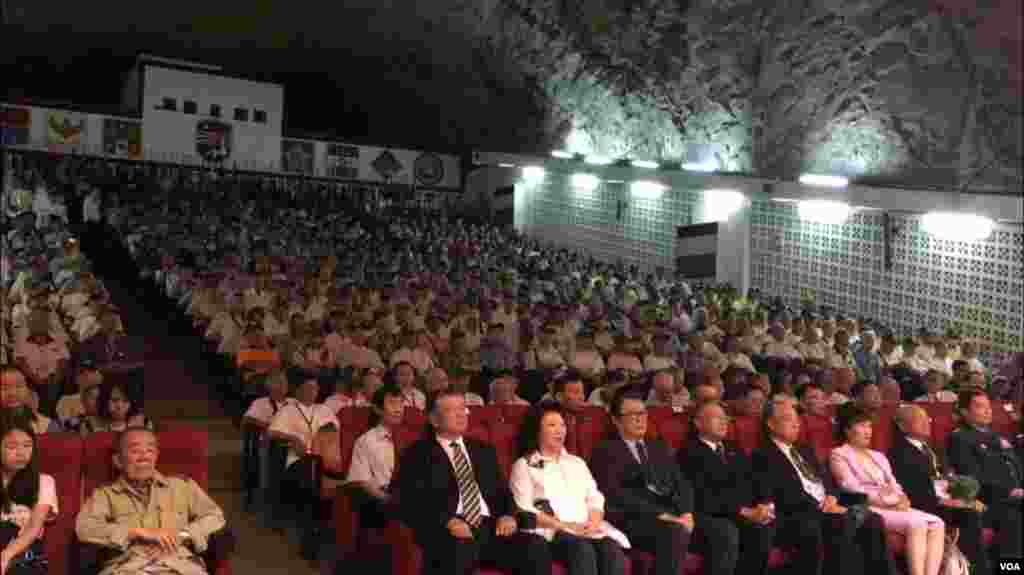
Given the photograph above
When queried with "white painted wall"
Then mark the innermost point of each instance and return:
(255, 146)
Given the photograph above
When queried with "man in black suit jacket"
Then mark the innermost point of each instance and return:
(645, 495)
(807, 506)
(724, 492)
(450, 491)
(975, 450)
(916, 466)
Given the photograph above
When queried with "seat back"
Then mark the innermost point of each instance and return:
(674, 430)
(183, 452)
(514, 414)
(819, 433)
(882, 428)
(592, 425)
(356, 419)
(746, 432)
(484, 415)
(60, 455)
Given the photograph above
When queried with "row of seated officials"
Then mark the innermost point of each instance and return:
(125, 509)
(733, 505)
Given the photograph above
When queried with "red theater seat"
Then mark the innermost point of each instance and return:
(354, 418)
(514, 414)
(484, 415)
(60, 455)
(818, 432)
(746, 432)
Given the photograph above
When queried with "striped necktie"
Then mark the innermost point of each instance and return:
(469, 491)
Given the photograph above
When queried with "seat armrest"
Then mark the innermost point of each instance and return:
(346, 522)
(220, 546)
(406, 555)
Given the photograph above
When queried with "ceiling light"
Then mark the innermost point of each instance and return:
(720, 205)
(586, 182)
(562, 154)
(824, 181)
(957, 227)
(504, 165)
(707, 166)
(598, 160)
(645, 164)
(646, 189)
(533, 174)
(824, 211)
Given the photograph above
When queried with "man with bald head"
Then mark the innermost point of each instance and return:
(738, 526)
(919, 471)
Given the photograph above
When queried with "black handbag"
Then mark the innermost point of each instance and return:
(31, 561)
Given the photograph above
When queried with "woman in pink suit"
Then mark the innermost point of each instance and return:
(856, 467)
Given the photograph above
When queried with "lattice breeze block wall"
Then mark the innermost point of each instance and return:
(977, 287)
(644, 235)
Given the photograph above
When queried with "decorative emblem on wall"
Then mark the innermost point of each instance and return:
(387, 165)
(428, 169)
(213, 140)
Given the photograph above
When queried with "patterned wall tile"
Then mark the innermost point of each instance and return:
(975, 286)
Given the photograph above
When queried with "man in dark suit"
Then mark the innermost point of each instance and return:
(645, 495)
(975, 450)
(724, 493)
(807, 506)
(450, 491)
(917, 467)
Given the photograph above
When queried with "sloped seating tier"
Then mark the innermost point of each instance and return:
(499, 426)
(80, 465)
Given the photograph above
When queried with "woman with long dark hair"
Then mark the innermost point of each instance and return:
(28, 500)
(117, 409)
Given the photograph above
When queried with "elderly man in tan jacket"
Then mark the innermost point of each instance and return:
(158, 524)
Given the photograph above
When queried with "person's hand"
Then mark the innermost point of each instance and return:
(166, 540)
(577, 529)
(903, 504)
(953, 503)
(459, 528)
(760, 514)
(977, 505)
(5, 558)
(687, 521)
(506, 526)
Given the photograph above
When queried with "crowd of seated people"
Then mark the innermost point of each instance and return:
(346, 309)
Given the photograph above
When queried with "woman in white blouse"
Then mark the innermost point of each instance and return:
(559, 488)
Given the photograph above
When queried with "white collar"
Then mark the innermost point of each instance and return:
(916, 442)
(783, 446)
(713, 445)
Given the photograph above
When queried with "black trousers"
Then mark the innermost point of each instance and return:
(373, 512)
(1005, 517)
(668, 542)
(970, 524)
(732, 545)
(520, 552)
(585, 556)
(849, 549)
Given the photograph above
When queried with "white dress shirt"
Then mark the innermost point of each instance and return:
(373, 458)
(302, 421)
(446, 445)
(568, 486)
(815, 489)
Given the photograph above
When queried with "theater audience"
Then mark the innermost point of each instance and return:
(15, 401)
(144, 536)
(921, 474)
(71, 406)
(645, 494)
(935, 383)
(809, 515)
(28, 501)
(559, 489)
(117, 409)
(668, 390)
(263, 409)
(503, 391)
(458, 504)
(977, 451)
(858, 468)
(736, 526)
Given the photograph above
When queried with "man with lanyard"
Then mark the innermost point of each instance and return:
(299, 424)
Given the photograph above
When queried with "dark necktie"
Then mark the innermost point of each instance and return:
(933, 461)
(720, 451)
(802, 466)
(641, 451)
(469, 491)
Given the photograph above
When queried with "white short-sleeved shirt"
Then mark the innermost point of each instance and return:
(373, 458)
(20, 514)
(264, 409)
(298, 420)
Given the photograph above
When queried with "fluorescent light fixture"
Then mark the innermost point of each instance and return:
(957, 227)
(586, 182)
(720, 205)
(562, 154)
(533, 174)
(824, 211)
(615, 181)
(824, 181)
(707, 166)
(646, 189)
(506, 165)
(645, 164)
(597, 160)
